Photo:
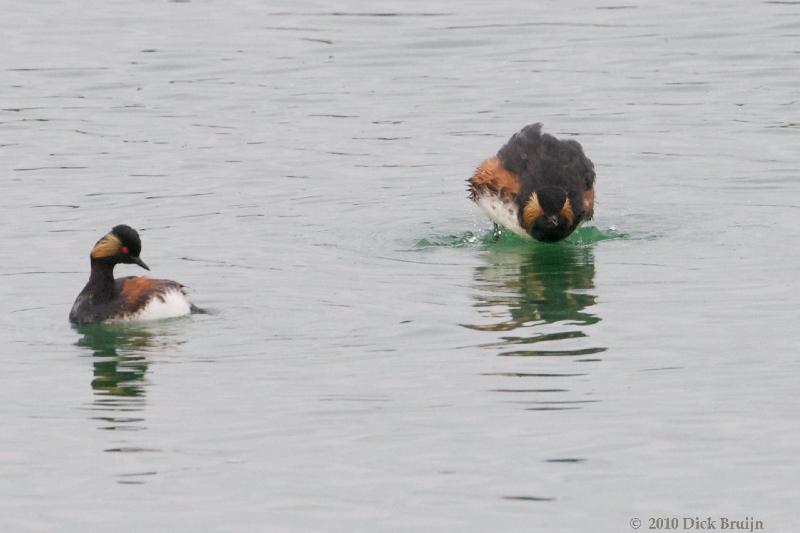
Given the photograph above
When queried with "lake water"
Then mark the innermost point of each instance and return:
(370, 359)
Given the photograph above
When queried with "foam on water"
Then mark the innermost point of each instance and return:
(584, 235)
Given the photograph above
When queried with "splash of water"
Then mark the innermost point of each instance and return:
(582, 236)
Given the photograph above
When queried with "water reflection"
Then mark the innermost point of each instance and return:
(121, 356)
(120, 363)
(538, 301)
(535, 286)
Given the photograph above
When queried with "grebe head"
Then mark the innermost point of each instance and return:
(548, 214)
(120, 245)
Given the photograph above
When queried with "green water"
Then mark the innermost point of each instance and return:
(584, 235)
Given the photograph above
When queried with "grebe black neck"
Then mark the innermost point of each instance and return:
(101, 287)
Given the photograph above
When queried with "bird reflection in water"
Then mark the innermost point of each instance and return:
(121, 355)
(540, 293)
(539, 299)
(120, 363)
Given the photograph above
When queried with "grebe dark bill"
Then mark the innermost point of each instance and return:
(105, 299)
(536, 186)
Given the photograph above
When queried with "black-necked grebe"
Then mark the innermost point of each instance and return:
(105, 299)
(536, 186)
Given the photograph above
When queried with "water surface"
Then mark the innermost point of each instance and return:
(371, 359)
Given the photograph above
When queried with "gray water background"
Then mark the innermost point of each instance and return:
(370, 360)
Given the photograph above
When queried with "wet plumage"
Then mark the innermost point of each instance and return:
(536, 186)
(105, 299)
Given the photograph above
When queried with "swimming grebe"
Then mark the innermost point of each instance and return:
(536, 186)
(105, 299)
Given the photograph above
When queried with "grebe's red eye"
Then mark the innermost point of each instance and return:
(124, 250)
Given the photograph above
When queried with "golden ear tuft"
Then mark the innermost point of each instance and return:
(532, 211)
(588, 203)
(566, 212)
(108, 246)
